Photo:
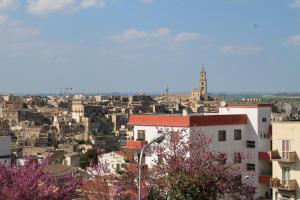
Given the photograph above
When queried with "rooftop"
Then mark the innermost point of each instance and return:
(261, 105)
(186, 121)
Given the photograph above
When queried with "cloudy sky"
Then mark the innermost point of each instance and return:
(146, 45)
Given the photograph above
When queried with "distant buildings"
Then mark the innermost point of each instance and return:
(66, 127)
(198, 101)
(197, 95)
(5, 150)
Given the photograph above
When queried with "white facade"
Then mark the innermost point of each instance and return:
(255, 131)
(5, 150)
(114, 162)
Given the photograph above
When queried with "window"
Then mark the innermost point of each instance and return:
(286, 173)
(222, 158)
(237, 134)
(250, 167)
(264, 119)
(237, 158)
(284, 197)
(141, 135)
(222, 136)
(286, 147)
(123, 165)
(251, 144)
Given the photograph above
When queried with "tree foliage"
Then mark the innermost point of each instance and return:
(88, 157)
(30, 182)
(187, 169)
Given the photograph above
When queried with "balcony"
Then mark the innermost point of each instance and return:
(290, 158)
(265, 179)
(264, 156)
(284, 185)
(265, 176)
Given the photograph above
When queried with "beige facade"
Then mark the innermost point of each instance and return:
(77, 110)
(286, 164)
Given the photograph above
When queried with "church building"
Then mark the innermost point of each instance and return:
(198, 94)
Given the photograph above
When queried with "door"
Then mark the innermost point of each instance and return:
(285, 175)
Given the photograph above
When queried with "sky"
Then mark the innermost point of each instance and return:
(147, 45)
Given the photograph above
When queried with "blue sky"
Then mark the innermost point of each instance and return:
(146, 45)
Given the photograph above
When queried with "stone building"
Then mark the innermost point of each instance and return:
(197, 95)
(198, 100)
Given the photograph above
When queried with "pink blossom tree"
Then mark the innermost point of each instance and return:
(30, 182)
(187, 169)
(104, 185)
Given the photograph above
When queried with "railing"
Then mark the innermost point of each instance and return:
(291, 157)
(264, 156)
(264, 179)
(266, 172)
(287, 185)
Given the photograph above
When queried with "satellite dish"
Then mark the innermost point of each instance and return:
(223, 104)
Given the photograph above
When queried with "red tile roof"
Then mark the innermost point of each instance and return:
(132, 144)
(127, 154)
(186, 121)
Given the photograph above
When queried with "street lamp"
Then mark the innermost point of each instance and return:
(157, 140)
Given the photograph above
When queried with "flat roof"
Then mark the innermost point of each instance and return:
(260, 105)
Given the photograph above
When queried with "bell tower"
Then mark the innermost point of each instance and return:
(203, 83)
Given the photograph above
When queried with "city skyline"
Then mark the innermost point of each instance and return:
(147, 45)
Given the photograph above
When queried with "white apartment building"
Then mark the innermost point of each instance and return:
(5, 150)
(236, 128)
(116, 161)
(285, 157)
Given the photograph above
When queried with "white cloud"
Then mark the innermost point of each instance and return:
(133, 34)
(293, 41)
(12, 29)
(46, 7)
(187, 37)
(240, 50)
(8, 4)
(161, 32)
(295, 4)
(92, 3)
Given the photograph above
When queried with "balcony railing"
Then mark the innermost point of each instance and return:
(264, 179)
(290, 157)
(264, 156)
(285, 185)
